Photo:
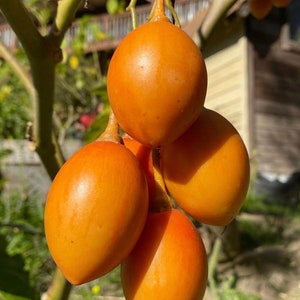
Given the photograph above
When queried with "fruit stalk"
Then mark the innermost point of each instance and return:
(161, 200)
(158, 12)
(111, 132)
(131, 7)
(173, 12)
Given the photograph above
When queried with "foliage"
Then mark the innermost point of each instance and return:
(14, 103)
(79, 80)
(115, 6)
(41, 10)
(80, 85)
(269, 233)
(101, 120)
(255, 203)
(14, 281)
(21, 216)
(227, 291)
(110, 284)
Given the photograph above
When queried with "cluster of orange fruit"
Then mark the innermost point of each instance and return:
(261, 8)
(110, 203)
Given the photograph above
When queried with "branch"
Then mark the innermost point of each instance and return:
(51, 164)
(66, 10)
(20, 71)
(215, 15)
(22, 24)
(26, 228)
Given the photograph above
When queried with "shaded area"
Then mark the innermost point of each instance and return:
(13, 279)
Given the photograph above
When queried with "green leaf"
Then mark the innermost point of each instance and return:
(14, 281)
(6, 296)
(112, 6)
(97, 127)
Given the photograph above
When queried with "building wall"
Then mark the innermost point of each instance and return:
(254, 81)
(228, 85)
(275, 96)
(277, 111)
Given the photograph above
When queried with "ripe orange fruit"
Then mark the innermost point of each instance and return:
(95, 210)
(144, 155)
(156, 82)
(206, 170)
(168, 262)
(260, 8)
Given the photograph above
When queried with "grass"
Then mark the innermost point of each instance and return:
(256, 204)
(265, 221)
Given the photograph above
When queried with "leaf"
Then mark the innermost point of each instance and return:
(97, 127)
(112, 6)
(6, 296)
(14, 281)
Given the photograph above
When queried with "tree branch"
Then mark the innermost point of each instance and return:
(22, 24)
(65, 15)
(53, 162)
(215, 15)
(19, 70)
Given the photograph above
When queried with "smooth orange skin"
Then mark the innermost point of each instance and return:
(168, 262)
(207, 170)
(144, 154)
(260, 8)
(95, 210)
(156, 83)
(281, 3)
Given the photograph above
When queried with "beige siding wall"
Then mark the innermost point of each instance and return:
(228, 85)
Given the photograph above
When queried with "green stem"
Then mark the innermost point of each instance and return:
(42, 128)
(66, 10)
(131, 7)
(60, 288)
(212, 266)
(173, 12)
(43, 72)
(22, 24)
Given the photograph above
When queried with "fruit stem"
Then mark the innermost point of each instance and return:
(111, 132)
(170, 6)
(161, 200)
(131, 7)
(158, 12)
